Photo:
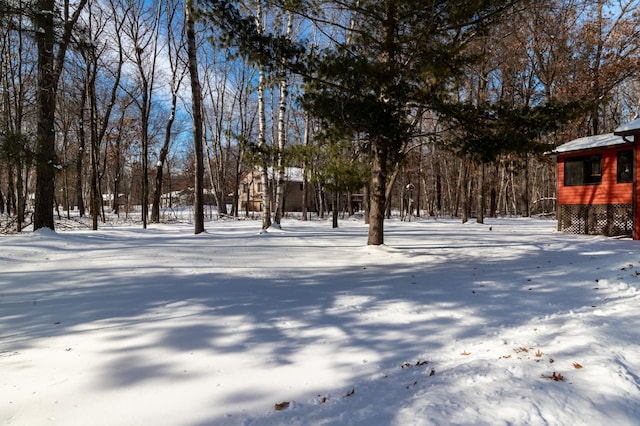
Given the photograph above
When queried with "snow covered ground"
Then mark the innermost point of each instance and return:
(504, 323)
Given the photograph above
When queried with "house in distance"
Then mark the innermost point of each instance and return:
(252, 192)
(597, 183)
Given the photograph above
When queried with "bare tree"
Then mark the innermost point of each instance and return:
(175, 47)
(142, 25)
(283, 84)
(51, 58)
(196, 108)
(219, 115)
(262, 128)
(17, 75)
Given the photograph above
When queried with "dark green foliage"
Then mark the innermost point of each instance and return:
(255, 154)
(335, 164)
(239, 32)
(14, 148)
(398, 61)
(484, 132)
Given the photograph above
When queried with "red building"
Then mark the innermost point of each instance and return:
(597, 183)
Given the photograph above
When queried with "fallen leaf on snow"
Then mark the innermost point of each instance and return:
(556, 377)
(576, 365)
(418, 364)
(353, 391)
(465, 353)
(281, 406)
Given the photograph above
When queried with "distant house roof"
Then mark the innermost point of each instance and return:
(590, 142)
(294, 174)
(628, 129)
(291, 174)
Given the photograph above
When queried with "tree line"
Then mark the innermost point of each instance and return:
(432, 107)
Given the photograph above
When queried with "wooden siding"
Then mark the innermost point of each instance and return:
(636, 178)
(606, 192)
(252, 183)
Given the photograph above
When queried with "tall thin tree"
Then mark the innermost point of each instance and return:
(51, 57)
(178, 71)
(196, 110)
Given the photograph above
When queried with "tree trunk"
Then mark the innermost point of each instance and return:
(305, 165)
(117, 180)
(11, 199)
(96, 199)
(236, 190)
(481, 177)
(418, 202)
(366, 202)
(164, 151)
(146, 68)
(46, 160)
(318, 200)
(526, 204)
(20, 198)
(334, 208)
(464, 192)
(196, 99)
(117, 177)
(50, 64)
(493, 195)
(438, 191)
(282, 135)
(157, 191)
(262, 129)
(378, 196)
(144, 201)
(80, 159)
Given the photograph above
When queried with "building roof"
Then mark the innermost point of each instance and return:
(294, 174)
(590, 142)
(291, 174)
(628, 129)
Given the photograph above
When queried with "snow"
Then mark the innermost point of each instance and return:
(629, 128)
(291, 174)
(590, 142)
(505, 323)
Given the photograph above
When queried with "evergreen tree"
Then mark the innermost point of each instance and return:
(398, 61)
(484, 132)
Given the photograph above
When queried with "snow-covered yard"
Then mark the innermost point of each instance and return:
(504, 323)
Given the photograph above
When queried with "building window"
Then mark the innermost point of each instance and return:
(585, 170)
(625, 166)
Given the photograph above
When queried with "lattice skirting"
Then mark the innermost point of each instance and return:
(601, 219)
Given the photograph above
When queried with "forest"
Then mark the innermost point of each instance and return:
(439, 108)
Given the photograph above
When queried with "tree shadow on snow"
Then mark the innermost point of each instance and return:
(435, 288)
